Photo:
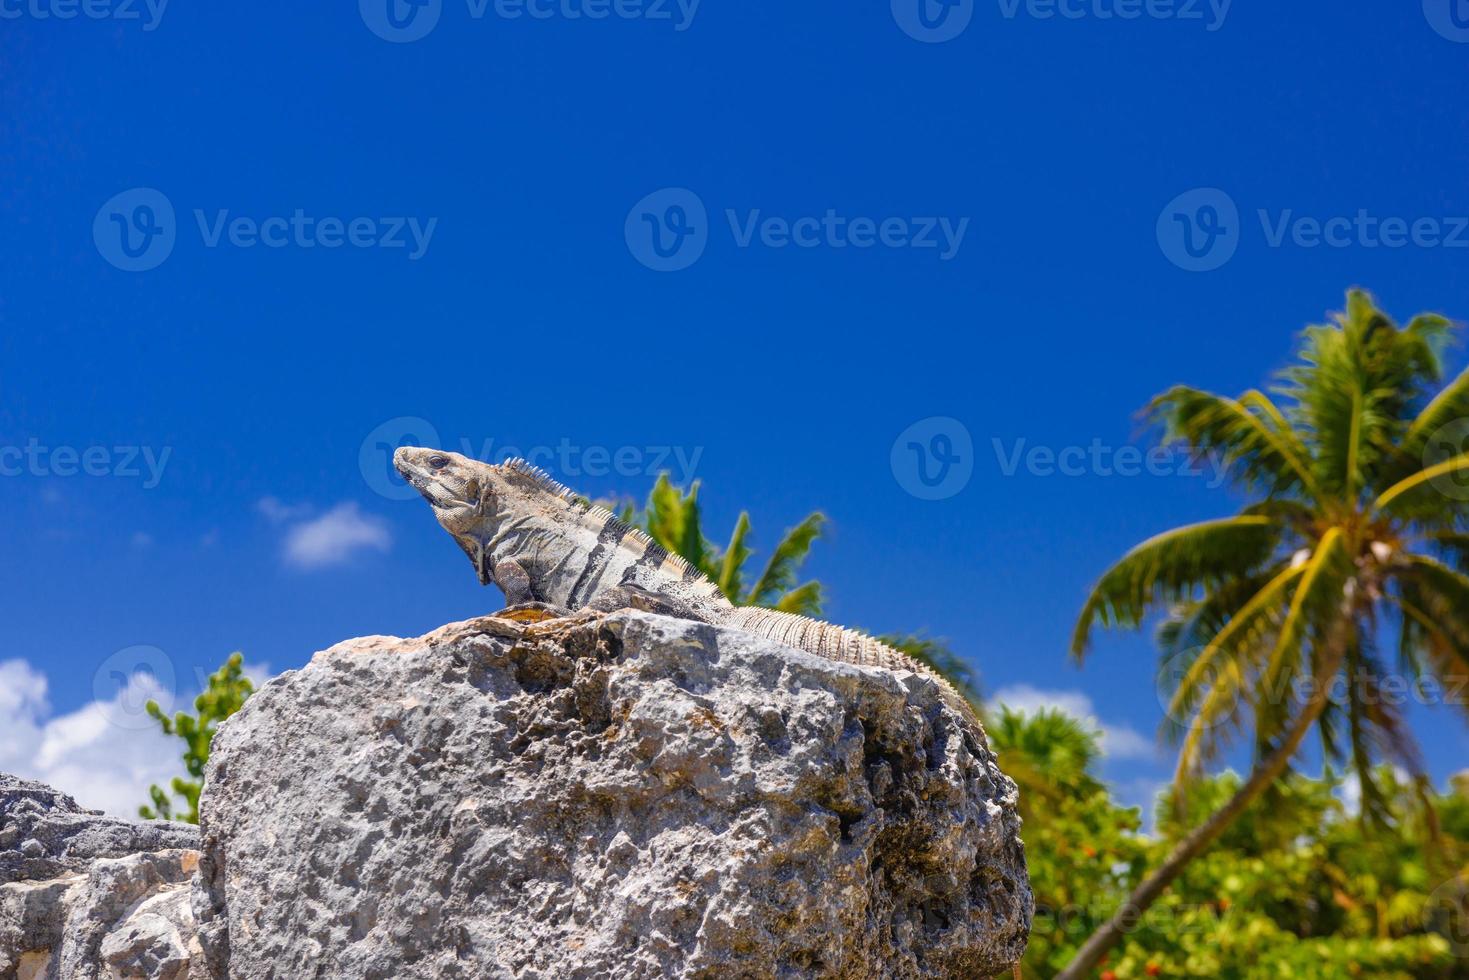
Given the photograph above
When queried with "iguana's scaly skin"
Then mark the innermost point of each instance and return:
(542, 543)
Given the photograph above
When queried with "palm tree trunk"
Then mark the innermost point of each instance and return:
(1266, 772)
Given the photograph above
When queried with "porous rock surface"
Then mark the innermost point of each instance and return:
(85, 896)
(604, 796)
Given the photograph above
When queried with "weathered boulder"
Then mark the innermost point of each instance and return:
(85, 896)
(618, 796)
(44, 833)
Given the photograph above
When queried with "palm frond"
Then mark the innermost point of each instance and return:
(780, 572)
(1316, 602)
(1250, 435)
(1421, 496)
(1358, 380)
(1171, 567)
(1452, 547)
(673, 521)
(803, 600)
(1449, 406)
(1221, 658)
(736, 553)
(1434, 598)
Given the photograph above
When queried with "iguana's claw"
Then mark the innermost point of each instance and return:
(532, 612)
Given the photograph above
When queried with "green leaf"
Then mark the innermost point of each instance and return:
(736, 553)
(1250, 435)
(780, 572)
(1171, 567)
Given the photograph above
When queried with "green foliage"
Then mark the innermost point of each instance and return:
(1348, 529)
(672, 519)
(1297, 887)
(227, 689)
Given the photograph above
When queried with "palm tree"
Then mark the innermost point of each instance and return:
(672, 519)
(1357, 526)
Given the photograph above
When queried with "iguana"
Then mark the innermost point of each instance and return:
(545, 547)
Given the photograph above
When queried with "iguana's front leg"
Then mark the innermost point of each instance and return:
(514, 581)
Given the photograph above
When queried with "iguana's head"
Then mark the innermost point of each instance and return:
(483, 506)
(451, 483)
(460, 490)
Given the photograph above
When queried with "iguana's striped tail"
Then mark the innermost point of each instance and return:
(839, 643)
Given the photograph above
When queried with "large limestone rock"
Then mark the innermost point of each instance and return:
(86, 897)
(626, 796)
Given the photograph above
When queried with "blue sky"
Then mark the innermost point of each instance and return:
(865, 218)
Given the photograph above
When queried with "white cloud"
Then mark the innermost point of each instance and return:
(142, 539)
(106, 753)
(334, 537)
(85, 753)
(1119, 741)
(278, 513)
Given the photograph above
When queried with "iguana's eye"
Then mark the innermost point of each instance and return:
(438, 462)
